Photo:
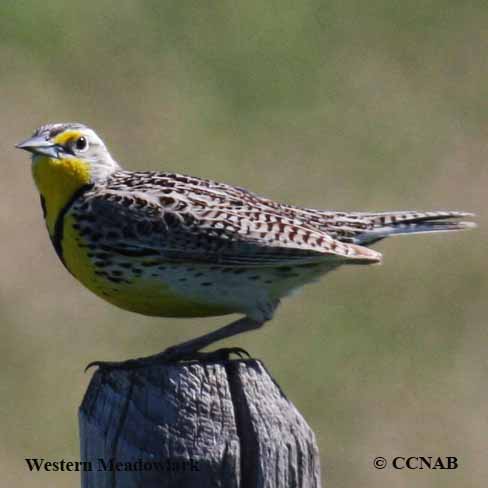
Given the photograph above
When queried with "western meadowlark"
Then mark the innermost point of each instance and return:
(170, 245)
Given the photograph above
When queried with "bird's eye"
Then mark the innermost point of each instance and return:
(81, 143)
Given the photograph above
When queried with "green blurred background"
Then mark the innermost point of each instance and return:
(375, 106)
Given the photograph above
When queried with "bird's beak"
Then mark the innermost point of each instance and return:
(39, 145)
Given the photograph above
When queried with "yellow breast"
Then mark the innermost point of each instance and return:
(57, 181)
(143, 294)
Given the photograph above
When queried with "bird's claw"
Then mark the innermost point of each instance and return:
(172, 355)
(222, 354)
(107, 365)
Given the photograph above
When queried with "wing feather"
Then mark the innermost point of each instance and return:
(167, 225)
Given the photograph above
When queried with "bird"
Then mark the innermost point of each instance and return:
(166, 244)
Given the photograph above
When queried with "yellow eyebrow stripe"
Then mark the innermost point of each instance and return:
(66, 136)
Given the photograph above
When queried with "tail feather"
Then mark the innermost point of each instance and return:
(387, 224)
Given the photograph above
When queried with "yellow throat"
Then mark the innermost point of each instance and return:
(57, 181)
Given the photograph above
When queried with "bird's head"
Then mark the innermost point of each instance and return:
(70, 144)
(66, 159)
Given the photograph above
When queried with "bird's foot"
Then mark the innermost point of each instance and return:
(110, 365)
(223, 354)
(171, 355)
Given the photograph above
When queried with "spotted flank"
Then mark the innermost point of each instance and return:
(172, 245)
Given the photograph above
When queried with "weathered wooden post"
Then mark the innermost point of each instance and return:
(197, 424)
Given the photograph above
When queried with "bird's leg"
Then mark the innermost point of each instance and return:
(185, 349)
(190, 349)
